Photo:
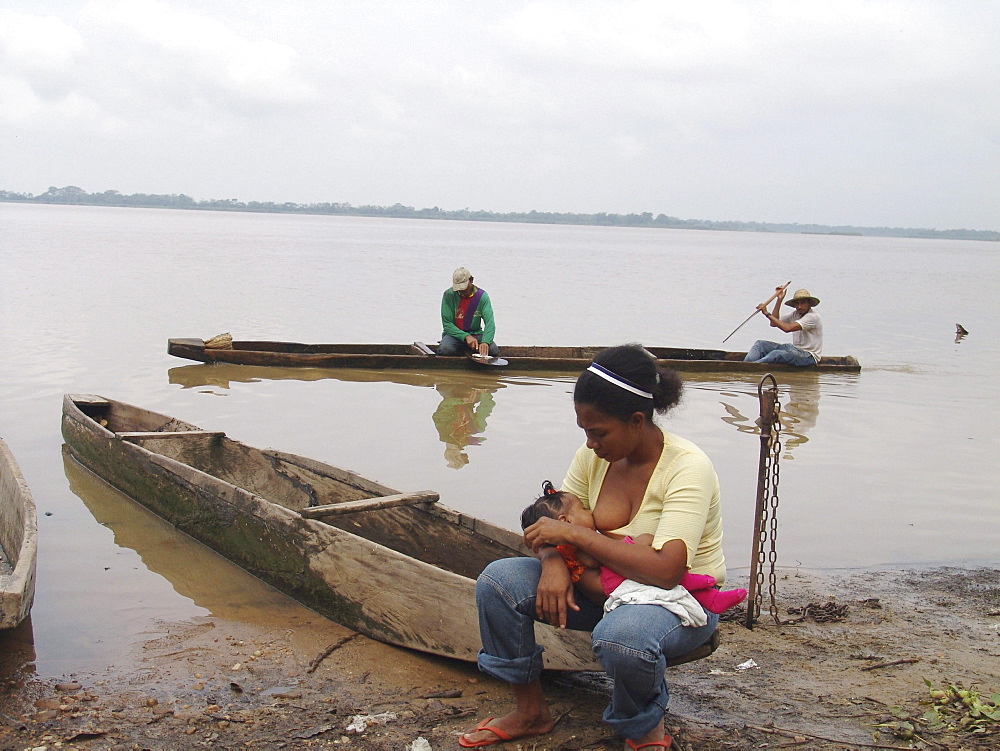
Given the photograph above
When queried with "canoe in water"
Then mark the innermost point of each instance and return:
(18, 542)
(422, 357)
(400, 568)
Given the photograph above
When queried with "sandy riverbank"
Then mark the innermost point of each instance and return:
(213, 683)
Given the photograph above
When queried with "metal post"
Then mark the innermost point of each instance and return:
(768, 399)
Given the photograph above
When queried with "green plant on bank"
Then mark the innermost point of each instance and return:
(953, 709)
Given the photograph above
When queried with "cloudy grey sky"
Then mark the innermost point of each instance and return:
(864, 112)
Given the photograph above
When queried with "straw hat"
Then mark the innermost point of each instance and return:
(802, 294)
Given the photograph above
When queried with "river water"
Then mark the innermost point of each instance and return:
(895, 466)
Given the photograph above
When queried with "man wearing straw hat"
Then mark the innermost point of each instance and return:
(803, 324)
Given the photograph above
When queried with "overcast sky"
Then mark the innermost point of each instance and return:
(839, 112)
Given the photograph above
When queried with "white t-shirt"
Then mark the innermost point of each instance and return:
(810, 337)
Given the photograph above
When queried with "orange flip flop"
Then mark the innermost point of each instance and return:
(501, 736)
(667, 742)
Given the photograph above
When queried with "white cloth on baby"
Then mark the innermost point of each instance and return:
(677, 600)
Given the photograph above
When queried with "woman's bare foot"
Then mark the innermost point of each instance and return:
(531, 716)
(509, 727)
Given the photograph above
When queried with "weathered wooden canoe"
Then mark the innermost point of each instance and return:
(18, 542)
(400, 568)
(421, 356)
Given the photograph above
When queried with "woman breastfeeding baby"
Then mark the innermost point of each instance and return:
(606, 587)
(639, 480)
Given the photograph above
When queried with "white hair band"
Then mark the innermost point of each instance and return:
(617, 380)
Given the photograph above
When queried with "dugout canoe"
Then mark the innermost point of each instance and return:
(397, 567)
(18, 542)
(422, 356)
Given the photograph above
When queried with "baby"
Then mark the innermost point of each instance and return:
(596, 581)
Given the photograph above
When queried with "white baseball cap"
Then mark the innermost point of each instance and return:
(460, 279)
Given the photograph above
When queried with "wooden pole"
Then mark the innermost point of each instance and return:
(370, 504)
(782, 288)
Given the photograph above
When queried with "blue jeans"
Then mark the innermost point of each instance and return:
(764, 351)
(632, 642)
(451, 347)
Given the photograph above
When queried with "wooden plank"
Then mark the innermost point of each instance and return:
(370, 504)
(141, 435)
(698, 653)
(88, 399)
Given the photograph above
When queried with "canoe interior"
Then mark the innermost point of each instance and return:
(452, 542)
(118, 417)
(509, 351)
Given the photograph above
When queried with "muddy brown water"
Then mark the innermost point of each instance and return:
(892, 467)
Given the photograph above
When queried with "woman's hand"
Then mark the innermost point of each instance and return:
(548, 531)
(554, 597)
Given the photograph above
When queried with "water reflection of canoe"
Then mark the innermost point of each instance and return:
(223, 375)
(18, 542)
(194, 571)
(398, 568)
(420, 356)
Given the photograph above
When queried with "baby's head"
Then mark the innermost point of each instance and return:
(557, 504)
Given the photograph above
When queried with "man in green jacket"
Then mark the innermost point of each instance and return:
(467, 318)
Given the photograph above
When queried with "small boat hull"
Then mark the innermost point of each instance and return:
(18, 540)
(398, 568)
(418, 356)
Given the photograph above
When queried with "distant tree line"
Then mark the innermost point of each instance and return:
(73, 195)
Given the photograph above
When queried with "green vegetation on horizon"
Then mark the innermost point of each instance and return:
(73, 195)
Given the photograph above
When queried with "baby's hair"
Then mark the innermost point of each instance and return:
(550, 503)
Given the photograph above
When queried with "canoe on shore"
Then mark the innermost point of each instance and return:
(397, 567)
(18, 542)
(422, 356)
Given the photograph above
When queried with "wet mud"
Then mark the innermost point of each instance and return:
(846, 670)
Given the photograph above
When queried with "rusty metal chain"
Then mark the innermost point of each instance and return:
(775, 476)
(765, 553)
(828, 612)
(767, 528)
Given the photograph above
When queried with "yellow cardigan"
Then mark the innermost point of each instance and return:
(681, 502)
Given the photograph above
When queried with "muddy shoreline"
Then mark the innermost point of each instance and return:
(847, 675)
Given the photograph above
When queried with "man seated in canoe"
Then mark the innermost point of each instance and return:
(467, 318)
(803, 324)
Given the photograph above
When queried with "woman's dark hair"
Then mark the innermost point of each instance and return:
(635, 367)
(549, 504)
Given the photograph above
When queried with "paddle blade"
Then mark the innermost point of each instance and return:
(487, 360)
